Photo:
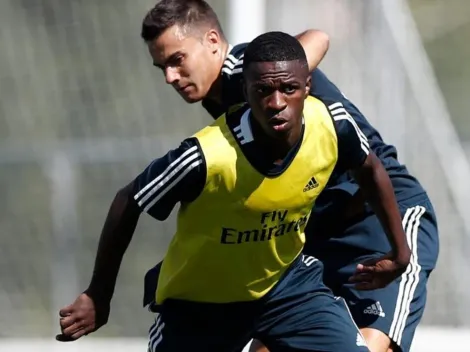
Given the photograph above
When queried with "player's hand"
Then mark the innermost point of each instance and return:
(378, 272)
(81, 318)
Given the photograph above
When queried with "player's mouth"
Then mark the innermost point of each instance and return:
(278, 124)
(185, 89)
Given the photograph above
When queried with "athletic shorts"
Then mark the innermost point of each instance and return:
(299, 314)
(397, 309)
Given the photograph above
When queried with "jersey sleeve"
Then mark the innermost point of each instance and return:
(178, 176)
(353, 147)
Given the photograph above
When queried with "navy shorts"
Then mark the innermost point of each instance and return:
(397, 309)
(299, 314)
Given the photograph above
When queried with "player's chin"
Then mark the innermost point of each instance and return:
(191, 98)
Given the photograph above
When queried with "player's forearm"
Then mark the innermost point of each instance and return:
(315, 44)
(378, 191)
(115, 237)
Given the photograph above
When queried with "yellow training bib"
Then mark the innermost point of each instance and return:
(239, 236)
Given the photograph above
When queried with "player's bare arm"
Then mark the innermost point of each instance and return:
(315, 44)
(150, 192)
(377, 188)
(91, 309)
(355, 156)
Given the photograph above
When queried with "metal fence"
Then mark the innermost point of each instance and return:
(82, 111)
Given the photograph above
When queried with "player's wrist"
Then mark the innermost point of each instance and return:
(99, 294)
(101, 306)
(402, 256)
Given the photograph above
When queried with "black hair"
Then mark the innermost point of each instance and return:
(167, 13)
(274, 46)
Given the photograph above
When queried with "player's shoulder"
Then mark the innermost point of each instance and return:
(327, 105)
(233, 63)
(224, 127)
(220, 142)
(211, 129)
(237, 51)
(232, 87)
(187, 146)
(318, 113)
(315, 107)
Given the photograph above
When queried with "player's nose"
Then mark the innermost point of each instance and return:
(171, 75)
(276, 101)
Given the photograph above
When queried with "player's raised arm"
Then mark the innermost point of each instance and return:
(179, 176)
(315, 44)
(374, 182)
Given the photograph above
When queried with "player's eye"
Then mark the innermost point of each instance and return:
(290, 89)
(176, 61)
(263, 90)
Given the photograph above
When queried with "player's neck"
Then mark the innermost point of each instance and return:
(215, 92)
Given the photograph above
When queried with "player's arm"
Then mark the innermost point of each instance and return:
(176, 177)
(374, 182)
(179, 176)
(315, 44)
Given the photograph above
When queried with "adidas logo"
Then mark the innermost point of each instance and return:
(311, 185)
(375, 309)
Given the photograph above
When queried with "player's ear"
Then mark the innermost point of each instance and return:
(213, 40)
(308, 85)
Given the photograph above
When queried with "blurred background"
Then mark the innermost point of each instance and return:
(82, 111)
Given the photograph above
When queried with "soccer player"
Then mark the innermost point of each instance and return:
(246, 184)
(350, 231)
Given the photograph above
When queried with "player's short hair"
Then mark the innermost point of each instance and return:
(274, 46)
(184, 13)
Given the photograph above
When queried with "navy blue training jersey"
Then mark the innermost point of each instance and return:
(341, 185)
(180, 175)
